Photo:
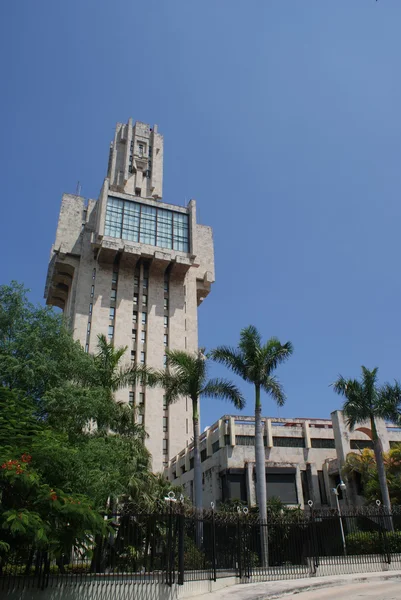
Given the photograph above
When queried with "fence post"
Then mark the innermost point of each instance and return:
(239, 544)
(181, 549)
(213, 543)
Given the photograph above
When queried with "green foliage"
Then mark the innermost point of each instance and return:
(367, 401)
(373, 542)
(364, 463)
(57, 407)
(255, 362)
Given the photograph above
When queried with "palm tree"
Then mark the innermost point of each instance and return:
(255, 363)
(186, 375)
(366, 401)
(111, 376)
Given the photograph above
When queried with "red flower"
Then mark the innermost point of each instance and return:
(26, 458)
(53, 497)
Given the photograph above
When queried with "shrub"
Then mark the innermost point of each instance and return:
(373, 542)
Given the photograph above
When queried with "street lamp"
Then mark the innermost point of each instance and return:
(335, 491)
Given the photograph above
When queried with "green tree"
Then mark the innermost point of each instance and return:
(186, 375)
(255, 363)
(57, 403)
(364, 463)
(367, 401)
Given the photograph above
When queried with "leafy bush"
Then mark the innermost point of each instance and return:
(373, 542)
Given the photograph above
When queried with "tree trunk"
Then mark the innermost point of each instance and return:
(381, 472)
(198, 492)
(260, 460)
(197, 461)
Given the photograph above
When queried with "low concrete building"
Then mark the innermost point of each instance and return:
(304, 458)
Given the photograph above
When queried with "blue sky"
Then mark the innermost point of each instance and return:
(281, 117)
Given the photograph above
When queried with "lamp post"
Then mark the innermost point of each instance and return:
(335, 491)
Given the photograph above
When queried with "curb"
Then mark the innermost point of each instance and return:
(325, 584)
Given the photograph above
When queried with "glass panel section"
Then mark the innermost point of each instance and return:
(164, 228)
(134, 221)
(180, 227)
(114, 217)
(148, 225)
(130, 229)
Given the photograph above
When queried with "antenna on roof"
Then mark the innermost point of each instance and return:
(78, 189)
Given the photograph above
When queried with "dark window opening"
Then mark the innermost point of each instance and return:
(361, 444)
(281, 485)
(322, 443)
(289, 442)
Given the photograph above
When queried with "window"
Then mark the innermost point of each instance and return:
(165, 303)
(215, 447)
(135, 317)
(134, 335)
(92, 290)
(145, 283)
(144, 318)
(87, 348)
(203, 455)
(234, 486)
(143, 337)
(137, 191)
(143, 358)
(112, 312)
(166, 286)
(165, 360)
(114, 277)
(361, 444)
(93, 273)
(186, 425)
(113, 294)
(165, 423)
(141, 398)
(289, 442)
(90, 308)
(137, 222)
(164, 402)
(111, 331)
(140, 149)
(245, 440)
(133, 355)
(322, 487)
(131, 399)
(135, 299)
(305, 486)
(165, 446)
(88, 329)
(165, 339)
(281, 484)
(139, 419)
(322, 443)
(136, 280)
(165, 321)
(144, 300)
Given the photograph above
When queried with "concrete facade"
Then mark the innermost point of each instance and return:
(135, 269)
(304, 459)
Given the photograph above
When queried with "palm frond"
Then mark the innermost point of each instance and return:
(358, 405)
(274, 388)
(250, 342)
(231, 358)
(275, 353)
(224, 389)
(389, 402)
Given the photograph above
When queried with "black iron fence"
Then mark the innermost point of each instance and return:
(179, 545)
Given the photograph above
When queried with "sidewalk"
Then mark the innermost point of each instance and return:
(276, 589)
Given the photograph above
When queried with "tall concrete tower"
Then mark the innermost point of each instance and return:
(135, 269)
